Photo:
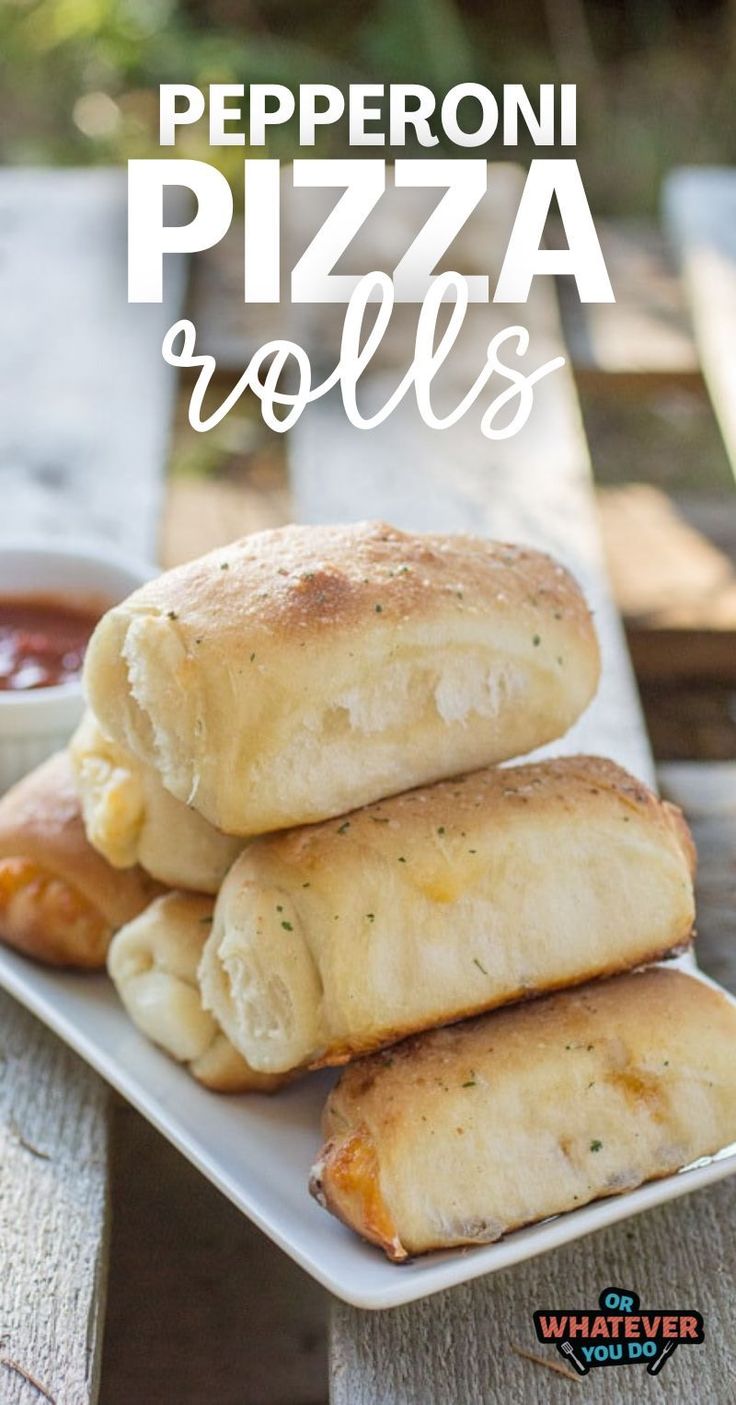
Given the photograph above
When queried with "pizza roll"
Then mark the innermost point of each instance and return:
(131, 819)
(59, 900)
(458, 1136)
(300, 672)
(153, 965)
(333, 940)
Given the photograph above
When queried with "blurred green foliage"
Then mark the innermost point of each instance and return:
(78, 78)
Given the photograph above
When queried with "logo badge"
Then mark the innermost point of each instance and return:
(618, 1332)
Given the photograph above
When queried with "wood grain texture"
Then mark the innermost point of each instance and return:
(84, 410)
(675, 587)
(699, 208)
(202, 1307)
(53, 1163)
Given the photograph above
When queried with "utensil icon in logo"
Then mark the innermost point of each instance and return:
(565, 1349)
(655, 1366)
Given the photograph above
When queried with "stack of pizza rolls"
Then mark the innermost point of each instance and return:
(153, 963)
(296, 742)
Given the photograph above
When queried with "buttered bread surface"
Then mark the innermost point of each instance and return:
(300, 672)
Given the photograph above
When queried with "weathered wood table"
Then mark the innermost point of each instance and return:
(85, 404)
(200, 1307)
(699, 208)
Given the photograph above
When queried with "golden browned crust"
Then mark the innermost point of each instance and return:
(448, 809)
(434, 905)
(48, 918)
(465, 1133)
(296, 580)
(346, 1181)
(280, 679)
(60, 902)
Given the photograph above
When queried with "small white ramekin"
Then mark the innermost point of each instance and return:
(35, 723)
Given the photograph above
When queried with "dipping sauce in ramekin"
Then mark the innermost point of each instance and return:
(43, 639)
(51, 596)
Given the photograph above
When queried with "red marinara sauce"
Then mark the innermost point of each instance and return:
(42, 640)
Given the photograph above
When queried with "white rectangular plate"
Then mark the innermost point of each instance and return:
(259, 1150)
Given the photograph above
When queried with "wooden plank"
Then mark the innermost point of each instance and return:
(84, 407)
(699, 208)
(645, 336)
(664, 572)
(243, 1325)
(53, 1125)
(675, 588)
(694, 655)
(688, 720)
(85, 398)
(534, 488)
(201, 513)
